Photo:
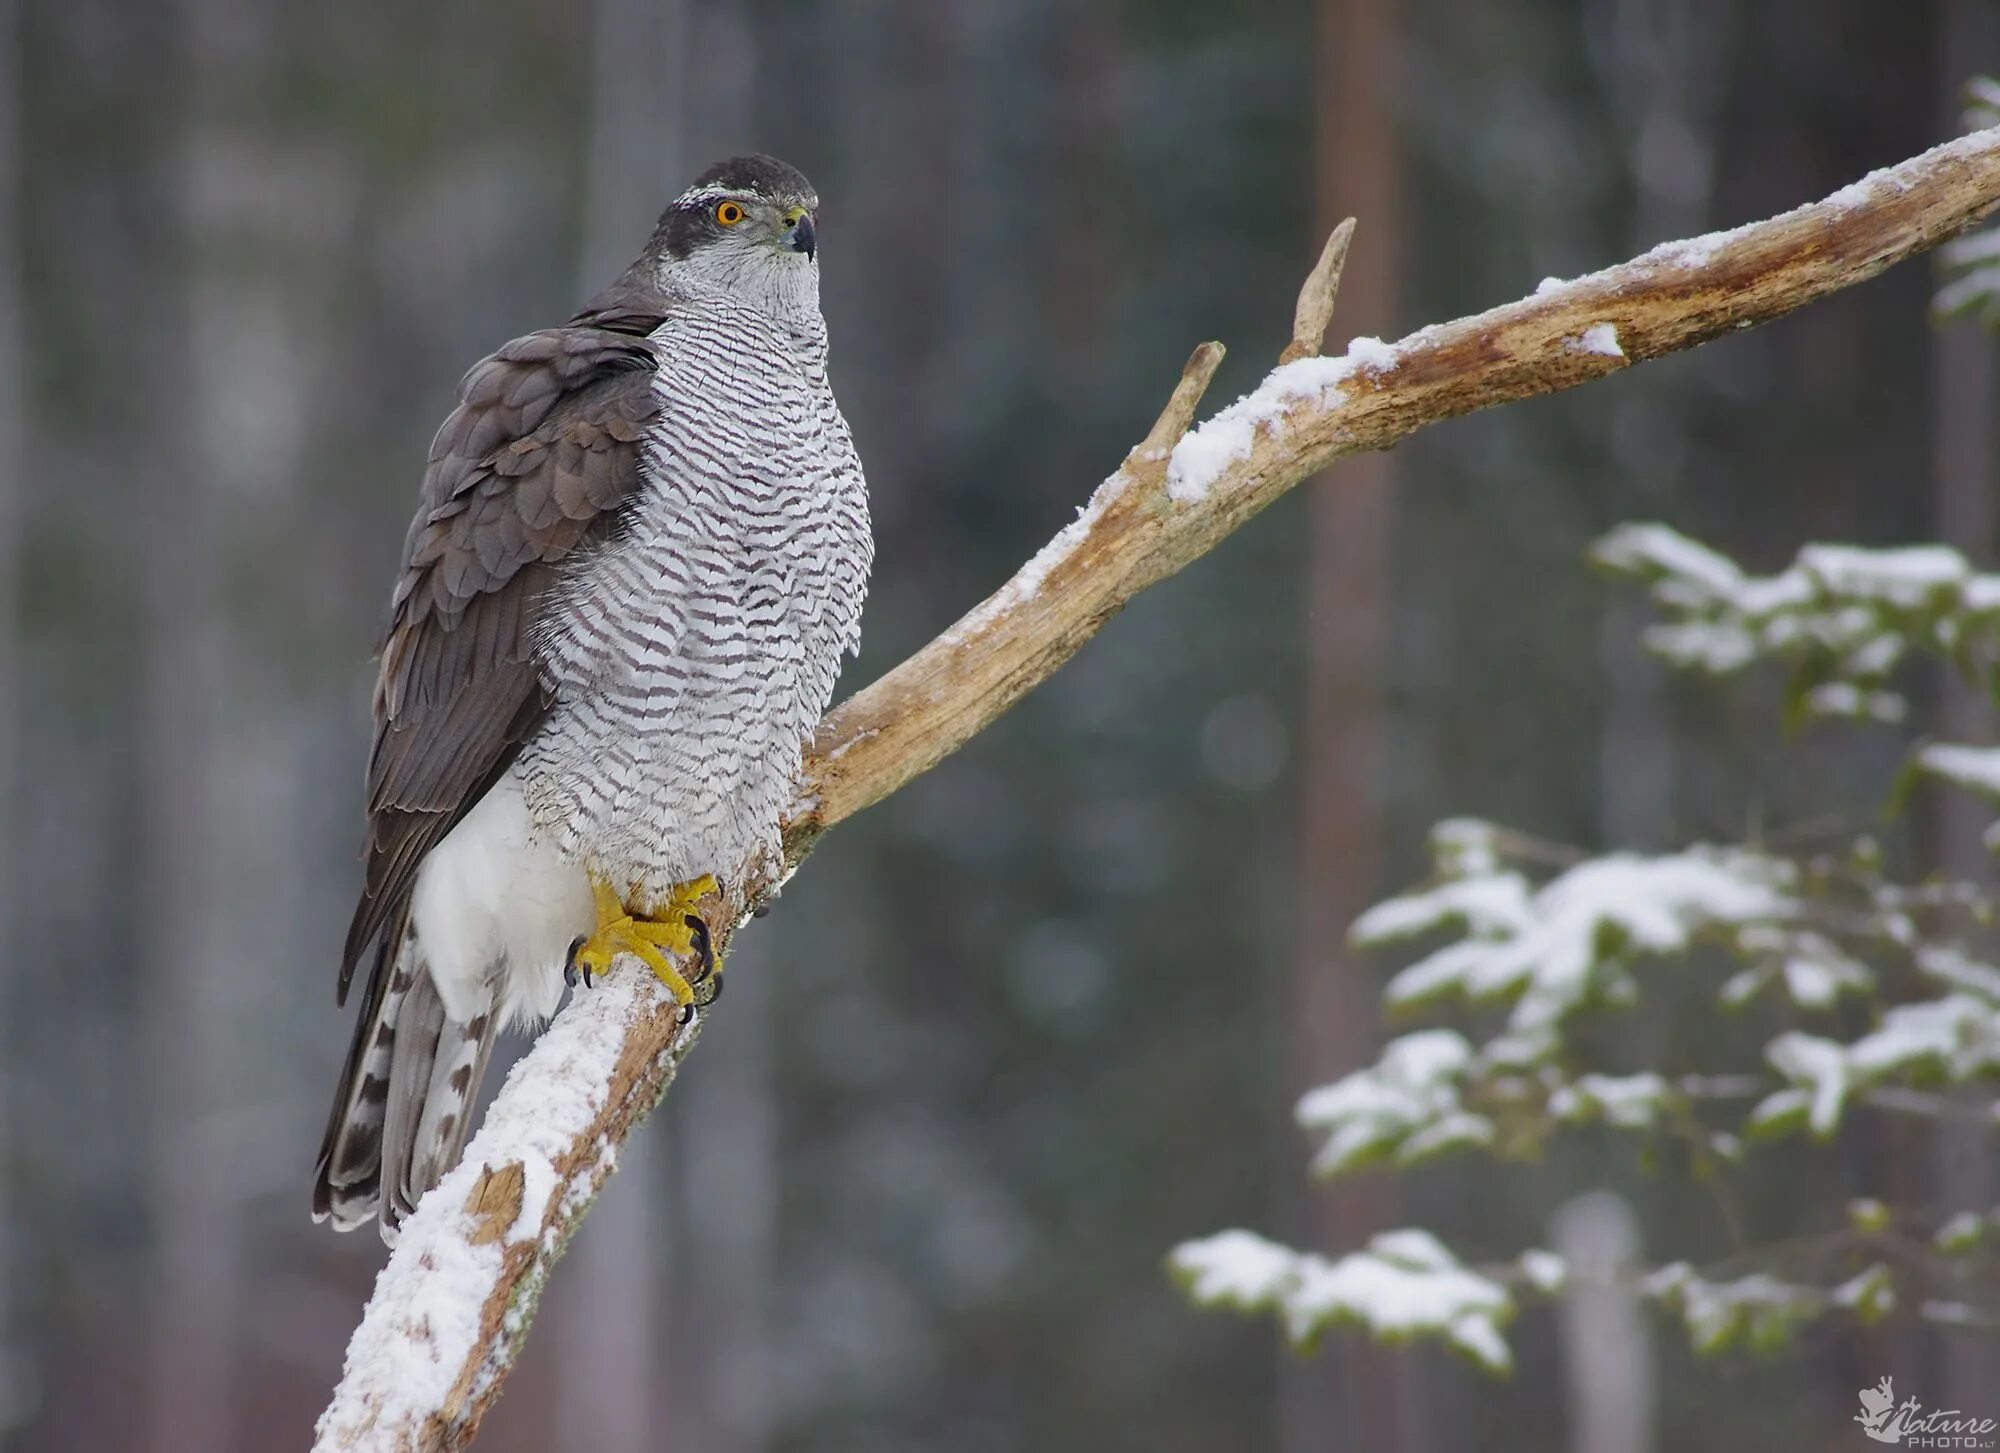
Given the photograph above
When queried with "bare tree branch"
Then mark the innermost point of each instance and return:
(457, 1297)
(1322, 286)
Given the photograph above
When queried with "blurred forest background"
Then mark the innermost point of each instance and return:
(1023, 1027)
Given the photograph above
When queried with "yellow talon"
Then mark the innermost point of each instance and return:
(681, 900)
(648, 939)
(625, 936)
(681, 911)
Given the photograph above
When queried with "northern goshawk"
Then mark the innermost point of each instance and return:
(641, 551)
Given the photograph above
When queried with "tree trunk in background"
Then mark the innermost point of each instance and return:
(727, 1133)
(612, 1340)
(192, 1305)
(14, 1371)
(1661, 64)
(891, 88)
(221, 723)
(637, 152)
(1662, 74)
(1351, 1399)
(1607, 1337)
(1963, 466)
(1078, 298)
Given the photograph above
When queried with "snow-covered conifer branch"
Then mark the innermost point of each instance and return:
(1562, 940)
(459, 1292)
(1406, 1285)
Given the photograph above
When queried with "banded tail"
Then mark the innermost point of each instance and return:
(404, 1105)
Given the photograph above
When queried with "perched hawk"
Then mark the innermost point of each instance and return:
(641, 549)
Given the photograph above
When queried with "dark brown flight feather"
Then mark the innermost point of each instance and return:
(531, 466)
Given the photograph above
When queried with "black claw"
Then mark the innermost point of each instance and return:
(707, 983)
(704, 950)
(684, 1015)
(569, 961)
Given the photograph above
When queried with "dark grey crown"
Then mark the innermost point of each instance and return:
(764, 175)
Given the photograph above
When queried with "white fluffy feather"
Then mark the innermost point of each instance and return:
(496, 909)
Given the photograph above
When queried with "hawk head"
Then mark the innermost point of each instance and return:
(746, 226)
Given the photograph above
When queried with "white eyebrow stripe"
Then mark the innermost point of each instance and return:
(705, 195)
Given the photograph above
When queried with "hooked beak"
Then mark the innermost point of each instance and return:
(799, 236)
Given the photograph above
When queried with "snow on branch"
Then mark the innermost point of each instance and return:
(1178, 494)
(459, 1292)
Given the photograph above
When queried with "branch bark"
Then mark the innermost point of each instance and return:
(458, 1295)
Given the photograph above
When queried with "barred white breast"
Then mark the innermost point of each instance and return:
(694, 654)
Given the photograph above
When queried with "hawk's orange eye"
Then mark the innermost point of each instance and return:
(728, 213)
